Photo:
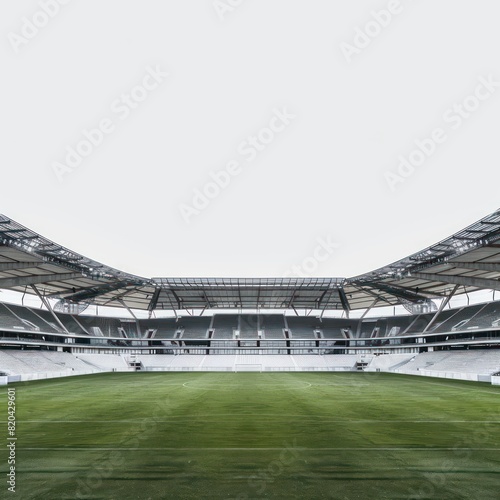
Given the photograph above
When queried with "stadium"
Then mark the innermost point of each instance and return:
(253, 388)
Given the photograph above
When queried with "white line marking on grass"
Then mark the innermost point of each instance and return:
(392, 448)
(236, 416)
(345, 385)
(217, 387)
(493, 393)
(430, 382)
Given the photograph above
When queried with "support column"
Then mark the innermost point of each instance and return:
(46, 303)
(137, 326)
(441, 307)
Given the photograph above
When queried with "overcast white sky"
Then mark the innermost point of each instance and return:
(348, 89)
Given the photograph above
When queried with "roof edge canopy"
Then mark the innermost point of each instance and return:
(464, 262)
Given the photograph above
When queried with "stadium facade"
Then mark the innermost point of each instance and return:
(273, 323)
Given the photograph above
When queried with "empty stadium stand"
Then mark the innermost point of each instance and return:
(458, 319)
(225, 325)
(334, 328)
(10, 321)
(461, 343)
(273, 326)
(249, 325)
(488, 317)
(302, 327)
(194, 327)
(164, 328)
(31, 365)
(472, 361)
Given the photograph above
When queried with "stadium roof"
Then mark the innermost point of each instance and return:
(465, 262)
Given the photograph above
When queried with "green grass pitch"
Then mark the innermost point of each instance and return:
(255, 435)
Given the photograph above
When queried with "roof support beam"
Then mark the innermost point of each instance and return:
(154, 299)
(12, 266)
(137, 326)
(489, 221)
(320, 299)
(480, 266)
(34, 280)
(400, 292)
(487, 284)
(89, 293)
(207, 301)
(4, 231)
(290, 302)
(344, 301)
(369, 292)
(178, 300)
(119, 296)
(75, 317)
(46, 303)
(369, 309)
(441, 307)
(167, 295)
(19, 239)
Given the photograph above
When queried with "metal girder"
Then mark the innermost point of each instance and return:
(343, 300)
(467, 238)
(34, 280)
(120, 296)
(399, 292)
(96, 290)
(12, 266)
(122, 302)
(480, 266)
(290, 302)
(441, 307)
(207, 300)
(72, 292)
(4, 231)
(359, 288)
(479, 231)
(154, 299)
(166, 291)
(373, 304)
(320, 299)
(49, 307)
(178, 300)
(18, 240)
(486, 284)
(331, 295)
(239, 295)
